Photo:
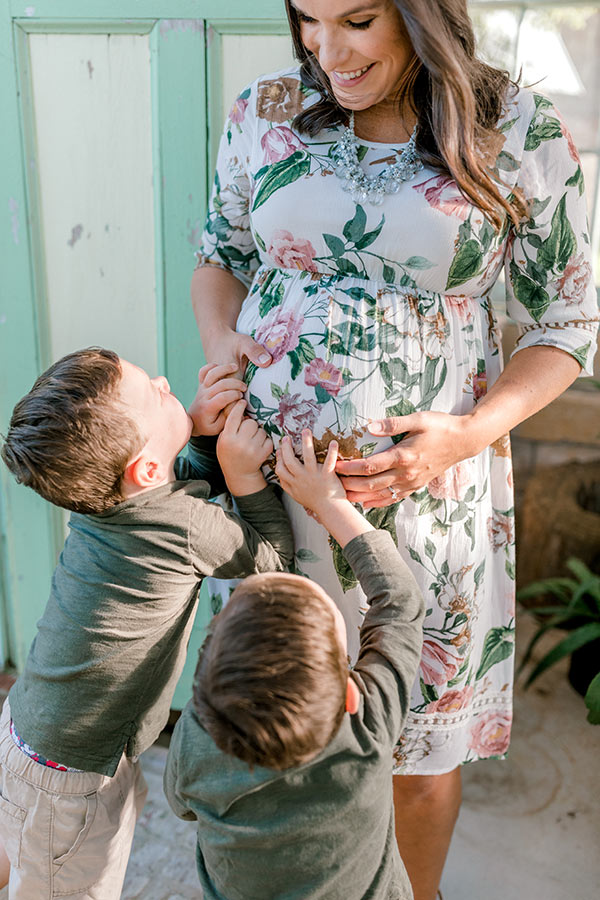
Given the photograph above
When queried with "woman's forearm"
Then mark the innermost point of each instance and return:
(532, 378)
(217, 297)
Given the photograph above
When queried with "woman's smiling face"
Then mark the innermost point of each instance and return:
(361, 45)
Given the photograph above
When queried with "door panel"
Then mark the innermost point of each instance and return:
(92, 120)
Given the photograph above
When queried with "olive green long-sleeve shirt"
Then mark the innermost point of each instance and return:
(112, 641)
(323, 830)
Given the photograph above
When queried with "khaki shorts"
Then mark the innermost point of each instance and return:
(66, 834)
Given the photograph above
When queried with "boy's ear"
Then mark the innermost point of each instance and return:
(143, 472)
(352, 697)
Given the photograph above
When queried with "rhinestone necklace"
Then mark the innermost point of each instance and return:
(372, 188)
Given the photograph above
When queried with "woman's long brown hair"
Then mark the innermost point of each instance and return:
(456, 97)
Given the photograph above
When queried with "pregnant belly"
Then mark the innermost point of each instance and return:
(342, 357)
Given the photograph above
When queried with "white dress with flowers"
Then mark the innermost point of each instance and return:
(380, 311)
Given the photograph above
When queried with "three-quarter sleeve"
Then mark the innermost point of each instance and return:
(227, 239)
(549, 280)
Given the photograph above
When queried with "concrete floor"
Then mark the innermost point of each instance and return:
(529, 828)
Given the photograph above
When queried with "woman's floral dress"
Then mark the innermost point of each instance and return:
(380, 311)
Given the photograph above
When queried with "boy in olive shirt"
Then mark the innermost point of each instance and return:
(98, 436)
(293, 797)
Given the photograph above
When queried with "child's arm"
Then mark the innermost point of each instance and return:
(391, 635)
(259, 539)
(319, 489)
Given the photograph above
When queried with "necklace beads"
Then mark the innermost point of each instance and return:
(372, 188)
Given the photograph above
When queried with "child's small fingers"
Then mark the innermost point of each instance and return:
(308, 448)
(331, 458)
(203, 372)
(289, 458)
(223, 399)
(284, 478)
(227, 384)
(287, 452)
(234, 419)
(218, 371)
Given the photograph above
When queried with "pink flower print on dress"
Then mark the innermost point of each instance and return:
(461, 305)
(479, 385)
(324, 373)
(573, 152)
(279, 143)
(441, 192)
(438, 665)
(453, 483)
(499, 530)
(279, 332)
(237, 112)
(452, 700)
(490, 734)
(573, 283)
(289, 252)
(294, 414)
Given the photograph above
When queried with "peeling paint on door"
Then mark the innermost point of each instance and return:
(76, 233)
(181, 25)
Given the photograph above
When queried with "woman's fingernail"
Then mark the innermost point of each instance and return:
(374, 427)
(264, 358)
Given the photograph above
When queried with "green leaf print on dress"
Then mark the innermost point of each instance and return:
(280, 174)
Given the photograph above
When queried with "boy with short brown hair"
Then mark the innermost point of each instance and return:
(98, 436)
(292, 797)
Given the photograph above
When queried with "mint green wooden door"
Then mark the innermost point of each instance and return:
(110, 117)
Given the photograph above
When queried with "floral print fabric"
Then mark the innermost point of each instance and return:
(372, 312)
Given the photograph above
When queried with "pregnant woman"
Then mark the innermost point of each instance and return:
(364, 206)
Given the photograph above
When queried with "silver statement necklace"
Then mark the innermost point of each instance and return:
(372, 188)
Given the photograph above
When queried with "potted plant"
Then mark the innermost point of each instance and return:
(576, 610)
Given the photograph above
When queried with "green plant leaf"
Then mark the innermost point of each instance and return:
(428, 691)
(419, 262)
(498, 645)
(532, 643)
(559, 587)
(370, 236)
(307, 555)
(573, 641)
(429, 505)
(322, 395)
(592, 700)
(414, 555)
(560, 245)
(216, 603)
(335, 244)
(280, 174)
(343, 569)
(429, 548)
(355, 227)
(529, 292)
(465, 264)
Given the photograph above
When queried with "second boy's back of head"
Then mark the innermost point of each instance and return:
(270, 686)
(69, 438)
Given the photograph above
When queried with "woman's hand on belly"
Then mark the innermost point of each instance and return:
(226, 345)
(433, 442)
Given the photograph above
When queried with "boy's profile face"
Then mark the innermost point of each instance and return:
(160, 417)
